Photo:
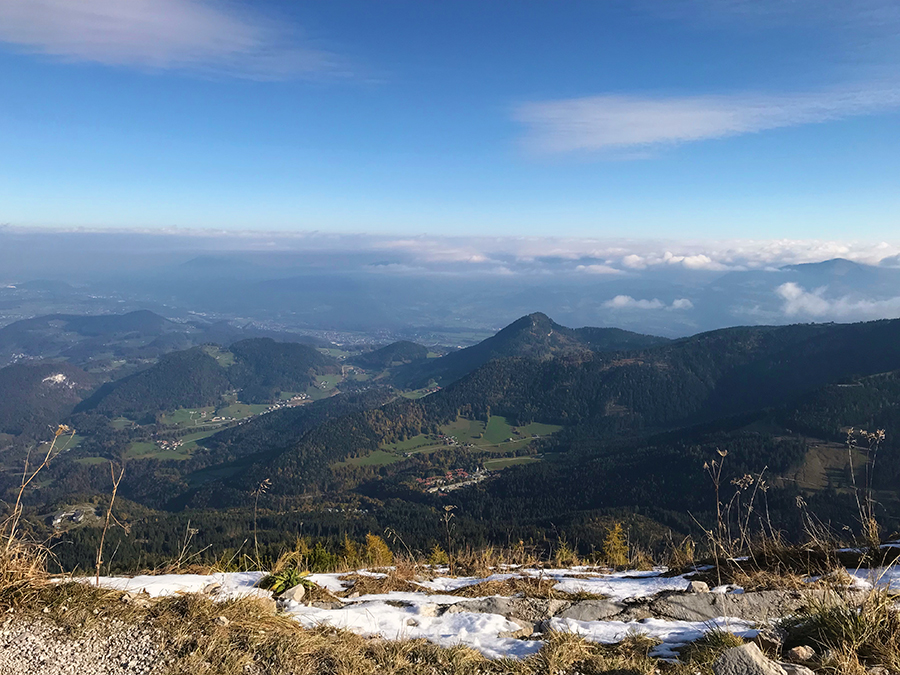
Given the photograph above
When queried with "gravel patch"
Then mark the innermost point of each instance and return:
(29, 646)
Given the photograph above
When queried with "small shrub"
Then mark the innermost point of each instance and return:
(321, 559)
(615, 547)
(565, 555)
(349, 552)
(279, 582)
(377, 552)
(438, 556)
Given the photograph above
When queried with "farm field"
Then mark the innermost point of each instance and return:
(188, 417)
(325, 386)
(241, 410)
(504, 462)
(497, 436)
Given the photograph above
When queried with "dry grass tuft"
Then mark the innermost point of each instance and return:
(368, 585)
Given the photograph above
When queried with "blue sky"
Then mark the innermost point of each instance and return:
(685, 118)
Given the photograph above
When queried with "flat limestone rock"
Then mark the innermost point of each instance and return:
(295, 593)
(746, 660)
(592, 610)
(756, 606)
(532, 610)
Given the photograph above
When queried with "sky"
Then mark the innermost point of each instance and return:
(685, 119)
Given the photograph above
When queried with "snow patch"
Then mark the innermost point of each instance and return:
(674, 634)
(58, 379)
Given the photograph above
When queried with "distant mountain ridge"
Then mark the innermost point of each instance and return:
(138, 335)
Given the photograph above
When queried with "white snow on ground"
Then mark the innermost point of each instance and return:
(674, 634)
(454, 583)
(887, 578)
(330, 582)
(231, 585)
(617, 586)
(479, 631)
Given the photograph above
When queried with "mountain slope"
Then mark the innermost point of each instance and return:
(263, 367)
(394, 354)
(35, 396)
(186, 379)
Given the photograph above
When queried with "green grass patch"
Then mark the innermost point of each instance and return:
(121, 423)
(493, 437)
(225, 358)
(241, 410)
(148, 450)
(504, 462)
(91, 461)
(188, 417)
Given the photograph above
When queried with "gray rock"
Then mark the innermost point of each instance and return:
(533, 610)
(221, 621)
(801, 654)
(429, 610)
(795, 669)
(745, 660)
(759, 606)
(592, 610)
(295, 593)
(697, 587)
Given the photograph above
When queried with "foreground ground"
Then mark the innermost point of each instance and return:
(409, 620)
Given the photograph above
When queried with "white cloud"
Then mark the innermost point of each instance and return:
(797, 301)
(634, 261)
(628, 302)
(598, 269)
(616, 122)
(195, 35)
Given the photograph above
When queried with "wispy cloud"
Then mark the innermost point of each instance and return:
(799, 302)
(192, 35)
(628, 302)
(623, 122)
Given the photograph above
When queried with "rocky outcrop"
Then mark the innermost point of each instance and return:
(759, 606)
(746, 660)
(532, 610)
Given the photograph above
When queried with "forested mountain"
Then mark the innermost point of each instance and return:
(263, 367)
(36, 396)
(395, 354)
(186, 379)
(534, 336)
